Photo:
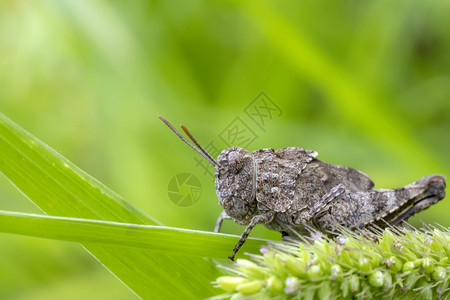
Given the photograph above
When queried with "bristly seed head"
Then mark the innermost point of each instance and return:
(399, 264)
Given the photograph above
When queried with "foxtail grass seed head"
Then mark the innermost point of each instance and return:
(230, 283)
(394, 263)
(249, 288)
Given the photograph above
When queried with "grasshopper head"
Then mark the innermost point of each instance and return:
(235, 178)
(236, 183)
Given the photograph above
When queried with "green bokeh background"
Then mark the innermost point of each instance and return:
(366, 84)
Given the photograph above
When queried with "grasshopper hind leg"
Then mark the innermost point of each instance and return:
(418, 207)
(383, 207)
(436, 187)
(406, 201)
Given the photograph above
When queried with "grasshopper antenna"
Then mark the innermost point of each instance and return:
(196, 143)
(202, 151)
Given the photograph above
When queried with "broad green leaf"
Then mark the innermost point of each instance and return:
(60, 188)
(157, 238)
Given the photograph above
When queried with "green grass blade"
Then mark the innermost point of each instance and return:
(156, 238)
(59, 188)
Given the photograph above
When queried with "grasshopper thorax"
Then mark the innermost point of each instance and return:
(236, 183)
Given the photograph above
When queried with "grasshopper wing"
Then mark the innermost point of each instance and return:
(332, 175)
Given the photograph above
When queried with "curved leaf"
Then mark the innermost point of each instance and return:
(60, 188)
(157, 238)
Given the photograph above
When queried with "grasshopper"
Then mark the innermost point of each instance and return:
(289, 190)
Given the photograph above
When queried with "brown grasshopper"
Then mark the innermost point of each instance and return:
(289, 191)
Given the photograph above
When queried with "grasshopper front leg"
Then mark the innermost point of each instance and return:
(223, 215)
(258, 219)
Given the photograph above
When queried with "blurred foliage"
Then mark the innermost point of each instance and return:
(366, 84)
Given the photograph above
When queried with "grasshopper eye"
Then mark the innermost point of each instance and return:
(236, 162)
